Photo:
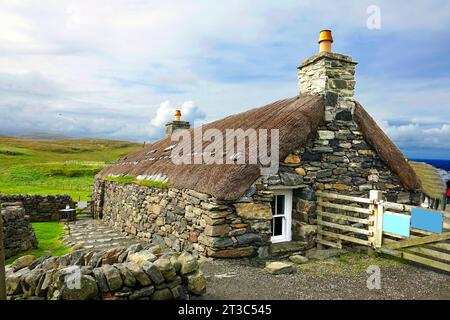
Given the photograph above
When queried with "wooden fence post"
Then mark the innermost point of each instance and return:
(2, 263)
(375, 218)
(319, 227)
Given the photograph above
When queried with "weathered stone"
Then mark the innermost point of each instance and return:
(134, 248)
(113, 277)
(139, 274)
(188, 263)
(163, 294)
(339, 171)
(111, 256)
(298, 259)
(101, 280)
(277, 268)
(215, 242)
(153, 272)
(292, 159)
(325, 134)
(340, 186)
(368, 153)
(256, 211)
(166, 268)
(344, 116)
(306, 230)
(249, 239)
(127, 276)
(300, 171)
(22, 262)
(86, 290)
(13, 281)
(196, 282)
(30, 282)
(141, 293)
(323, 174)
(237, 232)
(47, 282)
(198, 195)
(213, 206)
(232, 253)
(217, 230)
(264, 252)
(141, 257)
(290, 179)
(178, 293)
(212, 222)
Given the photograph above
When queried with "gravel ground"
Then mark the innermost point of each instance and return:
(336, 278)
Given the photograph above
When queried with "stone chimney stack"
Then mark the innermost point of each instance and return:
(176, 124)
(331, 75)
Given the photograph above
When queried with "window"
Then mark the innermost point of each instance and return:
(281, 216)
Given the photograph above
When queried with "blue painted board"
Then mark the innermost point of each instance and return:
(396, 223)
(427, 220)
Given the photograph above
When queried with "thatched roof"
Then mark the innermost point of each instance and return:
(432, 183)
(296, 118)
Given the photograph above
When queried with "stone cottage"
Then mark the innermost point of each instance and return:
(327, 141)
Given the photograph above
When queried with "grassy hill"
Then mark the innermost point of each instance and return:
(65, 166)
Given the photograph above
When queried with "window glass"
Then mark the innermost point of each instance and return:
(280, 205)
(278, 226)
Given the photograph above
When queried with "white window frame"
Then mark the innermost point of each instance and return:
(287, 226)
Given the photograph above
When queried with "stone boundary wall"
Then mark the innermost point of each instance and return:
(186, 220)
(119, 273)
(40, 208)
(17, 230)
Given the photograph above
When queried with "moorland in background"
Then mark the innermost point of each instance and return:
(59, 166)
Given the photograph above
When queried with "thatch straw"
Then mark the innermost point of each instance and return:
(296, 118)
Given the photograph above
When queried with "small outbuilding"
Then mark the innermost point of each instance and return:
(434, 189)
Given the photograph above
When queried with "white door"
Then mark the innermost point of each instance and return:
(282, 215)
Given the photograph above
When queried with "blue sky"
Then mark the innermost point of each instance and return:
(118, 69)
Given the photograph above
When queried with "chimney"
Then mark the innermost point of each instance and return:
(325, 41)
(176, 124)
(331, 75)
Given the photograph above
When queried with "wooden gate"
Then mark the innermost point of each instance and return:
(344, 219)
(421, 246)
(398, 230)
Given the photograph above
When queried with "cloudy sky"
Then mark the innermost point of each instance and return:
(118, 69)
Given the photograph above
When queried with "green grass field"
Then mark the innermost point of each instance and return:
(56, 166)
(49, 236)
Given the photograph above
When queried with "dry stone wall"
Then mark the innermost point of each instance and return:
(185, 220)
(18, 233)
(120, 273)
(40, 207)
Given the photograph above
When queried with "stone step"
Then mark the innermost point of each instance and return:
(285, 249)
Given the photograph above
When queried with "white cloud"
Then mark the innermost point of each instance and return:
(165, 113)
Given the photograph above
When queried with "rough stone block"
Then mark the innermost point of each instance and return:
(256, 211)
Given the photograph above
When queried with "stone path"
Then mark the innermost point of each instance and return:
(94, 234)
